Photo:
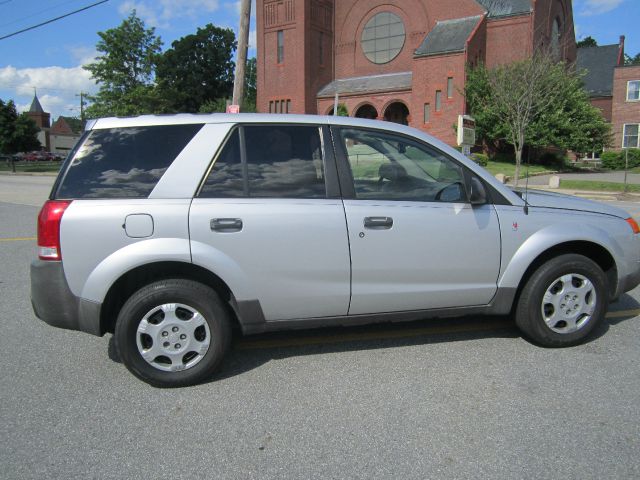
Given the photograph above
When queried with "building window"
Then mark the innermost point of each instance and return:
(321, 48)
(450, 87)
(630, 137)
(280, 46)
(427, 112)
(288, 106)
(438, 100)
(383, 37)
(633, 90)
(271, 106)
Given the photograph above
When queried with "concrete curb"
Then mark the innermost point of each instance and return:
(30, 174)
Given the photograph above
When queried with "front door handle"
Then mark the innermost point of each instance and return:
(378, 223)
(226, 225)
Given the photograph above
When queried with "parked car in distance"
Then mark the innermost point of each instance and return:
(170, 230)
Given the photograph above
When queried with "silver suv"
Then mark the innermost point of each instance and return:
(170, 230)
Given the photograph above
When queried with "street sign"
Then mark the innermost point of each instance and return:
(466, 130)
(233, 108)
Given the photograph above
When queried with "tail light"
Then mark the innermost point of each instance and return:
(633, 224)
(49, 229)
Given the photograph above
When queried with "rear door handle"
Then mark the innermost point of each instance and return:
(226, 224)
(378, 223)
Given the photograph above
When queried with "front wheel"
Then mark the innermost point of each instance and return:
(173, 333)
(563, 301)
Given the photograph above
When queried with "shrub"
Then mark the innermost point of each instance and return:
(503, 157)
(610, 160)
(480, 158)
(551, 159)
(616, 160)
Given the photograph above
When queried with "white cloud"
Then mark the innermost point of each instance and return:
(57, 87)
(596, 7)
(83, 54)
(159, 13)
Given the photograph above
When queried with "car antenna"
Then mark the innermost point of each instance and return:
(526, 185)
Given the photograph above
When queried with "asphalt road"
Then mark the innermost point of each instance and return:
(464, 398)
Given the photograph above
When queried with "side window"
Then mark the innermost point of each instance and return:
(280, 161)
(389, 167)
(123, 162)
(226, 179)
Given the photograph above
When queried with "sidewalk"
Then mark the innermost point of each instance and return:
(591, 195)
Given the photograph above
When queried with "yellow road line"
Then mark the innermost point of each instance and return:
(18, 239)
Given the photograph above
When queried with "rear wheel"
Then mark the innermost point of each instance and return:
(563, 301)
(173, 333)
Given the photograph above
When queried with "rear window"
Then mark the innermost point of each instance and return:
(123, 162)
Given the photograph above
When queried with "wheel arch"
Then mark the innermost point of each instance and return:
(594, 251)
(138, 277)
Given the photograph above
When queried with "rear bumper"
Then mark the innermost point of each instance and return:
(56, 305)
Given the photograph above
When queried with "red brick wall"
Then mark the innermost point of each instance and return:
(605, 104)
(429, 75)
(508, 40)
(353, 102)
(544, 14)
(419, 17)
(623, 111)
(303, 73)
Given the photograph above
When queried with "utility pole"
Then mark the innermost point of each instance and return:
(82, 95)
(243, 46)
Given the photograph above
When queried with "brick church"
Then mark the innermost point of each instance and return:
(401, 61)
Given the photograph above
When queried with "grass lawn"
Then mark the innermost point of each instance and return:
(509, 169)
(597, 186)
(32, 167)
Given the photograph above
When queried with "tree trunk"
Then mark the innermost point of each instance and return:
(516, 175)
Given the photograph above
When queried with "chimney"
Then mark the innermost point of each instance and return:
(621, 52)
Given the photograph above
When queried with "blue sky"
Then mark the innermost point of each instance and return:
(51, 56)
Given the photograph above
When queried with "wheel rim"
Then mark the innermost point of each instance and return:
(173, 337)
(568, 303)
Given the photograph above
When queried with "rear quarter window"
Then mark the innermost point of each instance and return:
(123, 162)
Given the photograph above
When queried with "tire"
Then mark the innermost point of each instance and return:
(173, 333)
(563, 301)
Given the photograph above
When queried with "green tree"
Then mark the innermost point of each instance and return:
(18, 133)
(587, 42)
(536, 102)
(250, 86)
(125, 70)
(629, 60)
(197, 69)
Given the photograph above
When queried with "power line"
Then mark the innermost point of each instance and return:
(39, 13)
(54, 19)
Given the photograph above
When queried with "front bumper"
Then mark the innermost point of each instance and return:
(54, 303)
(629, 281)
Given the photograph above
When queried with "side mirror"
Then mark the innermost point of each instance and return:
(477, 192)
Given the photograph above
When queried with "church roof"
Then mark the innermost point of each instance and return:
(448, 36)
(599, 63)
(375, 83)
(35, 105)
(61, 126)
(505, 8)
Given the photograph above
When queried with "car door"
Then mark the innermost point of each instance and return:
(416, 241)
(269, 221)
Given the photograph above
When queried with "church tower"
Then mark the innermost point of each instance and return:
(295, 53)
(42, 120)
